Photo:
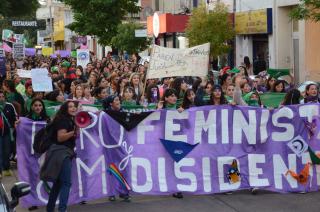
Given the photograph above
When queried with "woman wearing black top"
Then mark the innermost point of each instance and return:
(65, 128)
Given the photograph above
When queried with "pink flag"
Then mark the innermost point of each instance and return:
(6, 47)
(83, 46)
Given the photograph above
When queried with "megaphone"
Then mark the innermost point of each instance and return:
(83, 119)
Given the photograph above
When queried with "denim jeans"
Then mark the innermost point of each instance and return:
(61, 186)
(4, 152)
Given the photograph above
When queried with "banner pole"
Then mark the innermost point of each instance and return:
(145, 80)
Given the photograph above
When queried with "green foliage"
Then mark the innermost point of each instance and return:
(18, 8)
(125, 39)
(213, 27)
(100, 17)
(308, 9)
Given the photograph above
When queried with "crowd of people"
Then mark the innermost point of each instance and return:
(116, 84)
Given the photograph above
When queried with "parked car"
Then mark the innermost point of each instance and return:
(19, 190)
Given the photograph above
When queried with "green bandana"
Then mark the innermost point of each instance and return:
(35, 117)
(171, 106)
(10, 97)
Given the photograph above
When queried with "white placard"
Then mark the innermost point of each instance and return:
(2, 54)
(169, 62)
(298, 145)
(41, 82)
(24, 73)
(18, 50)
(83, 57)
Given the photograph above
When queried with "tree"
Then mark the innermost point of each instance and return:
(213, 27)
(308, 9)
(125, 39)
(100, 17)
(18, 8)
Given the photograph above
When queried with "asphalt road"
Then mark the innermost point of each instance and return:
(242, 201)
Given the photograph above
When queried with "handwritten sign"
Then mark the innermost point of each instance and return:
(40, 80)
(24, 73)
(169, 62)
(18, 51)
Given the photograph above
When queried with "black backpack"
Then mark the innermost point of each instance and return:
(43, 139)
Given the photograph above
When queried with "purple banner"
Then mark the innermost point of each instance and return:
(30, 51)
(63, 53)
(257, 138)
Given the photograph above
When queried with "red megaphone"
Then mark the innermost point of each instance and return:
(83, 119)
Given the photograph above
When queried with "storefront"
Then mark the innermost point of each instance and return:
(167, 28)
(253, 31)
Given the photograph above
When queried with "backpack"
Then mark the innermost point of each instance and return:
(43, 139)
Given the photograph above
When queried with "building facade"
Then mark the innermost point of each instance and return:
(264, 28)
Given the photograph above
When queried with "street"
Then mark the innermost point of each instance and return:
(241, 201)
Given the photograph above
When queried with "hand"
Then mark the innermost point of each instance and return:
(160, 105)
(16, 123)
(180, 109)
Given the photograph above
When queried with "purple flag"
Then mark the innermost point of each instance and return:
(30, 51)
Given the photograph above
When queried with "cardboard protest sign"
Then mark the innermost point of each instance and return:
(40, 80)
(169, 62)
(18, 50)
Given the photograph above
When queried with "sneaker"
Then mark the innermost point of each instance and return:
(125, 197)
(7, 173)
(178, 195)
(32, 208)
(112, 198)
(302, 192)
(228, 193)
(254, 191)
(83, 203)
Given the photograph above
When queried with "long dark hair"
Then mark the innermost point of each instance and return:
(278, 82)
(223, 99)
(311, 98)
(186, 102)
(176, 85)
(43, 113)
(292, 97)
(63, 111)
(149, 93)
(269, 88)
(246, 61)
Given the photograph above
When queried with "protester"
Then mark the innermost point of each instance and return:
(188, 100)
(311, 94)
(292, 97)
(61, 154)
(8, 117)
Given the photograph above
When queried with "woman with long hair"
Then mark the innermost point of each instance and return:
(279, 87)
(180, 85)
(217, 96)
(188, 100)
(136, 82)
(37, 111)
(311, 94)
(292, 97)
(65, 132)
